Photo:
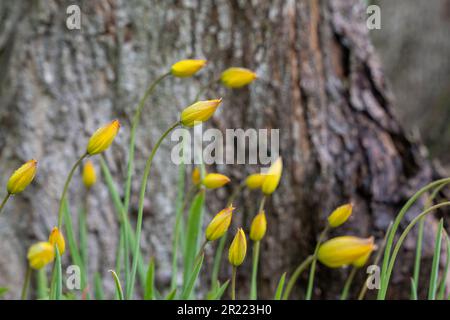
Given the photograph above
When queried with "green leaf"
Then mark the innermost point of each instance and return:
(279, 291)
(56, 287)
(435, 264)
(42, 289)
(98, 288)
(171, 295)
(118, 285)
(3, 291)
(413, 290)
(193, 235)
(441, 294)
(192, 279)
(150, 283)
(220, 291)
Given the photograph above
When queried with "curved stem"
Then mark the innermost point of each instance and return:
(134, 125)
(314, 262)
(148, 166)
(348, 283)
(295, 276)
(253, 285)
(26, 283)
(398, 219)
(233, 283)
(385, 284)
(5, 199)
(66, 187)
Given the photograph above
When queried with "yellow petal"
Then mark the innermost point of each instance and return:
(273, 177)
(345, 250)
(199, 112)
(22, 177)
(258, 227)
(237, 77)
(255, 181)
(238, 249)
(219, 224)
(187, 68)
(89, 175)
(40, 254)
(56, 237)
(215, 180)
(196, 176)
(103, 137)
(340, 215)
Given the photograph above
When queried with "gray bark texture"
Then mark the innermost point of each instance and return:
(319, 83)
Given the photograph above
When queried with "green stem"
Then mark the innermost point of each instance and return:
(390, 267)
(134, 125)
(144, 181)
(66, 187)
(348, 283)
(396, 224)
(200, 252)
(26, 283)
(233, 283)
(295, 276)
(82, 224)
(314, 262)
(5, 199)
(253, 286)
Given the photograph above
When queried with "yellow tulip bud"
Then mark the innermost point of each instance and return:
(215, 180)
(199, 112)
(56, 237)
(258, 227)
(340, 215)
(237, 77)
(103, 137)
(255, 181)
(196, 176)
(187, 68)
(219, 224)
(361, 262)
(89, 175)
(273, 177)
(22, 177)
(40, 254)
(238, 248)
(345, 250)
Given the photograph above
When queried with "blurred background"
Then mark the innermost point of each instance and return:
(363, 118)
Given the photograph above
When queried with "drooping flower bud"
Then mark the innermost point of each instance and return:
(187, 68)
(219, 224)
(56, 237)
(258, 227)
(340, 215)
(238, 248)
(361, 262)
(103, 137)
(255, 181)
(196, 176)
(199, 112)
(40, 254)
(22, 177)
(237, 77)
(215, 180)
(273, 177)
(344, 250)
(89, 175)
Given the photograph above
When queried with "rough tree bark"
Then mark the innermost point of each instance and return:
(320, 83)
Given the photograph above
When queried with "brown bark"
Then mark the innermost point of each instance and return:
(320, 84)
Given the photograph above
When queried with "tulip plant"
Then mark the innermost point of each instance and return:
(345, 251)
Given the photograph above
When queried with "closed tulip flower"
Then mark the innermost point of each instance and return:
(215, 180)
(258, 227)
(199, 112)
(89, 175)
(102, 138)
(187, 68)
(273, 177)
(56, 237)
(40, 254)
(238, 249)
(340, 215)
(196, 176)
(22, 177)
(255, 181)
(219, 224)
(361, 262)
(344, 250)
(237, 77)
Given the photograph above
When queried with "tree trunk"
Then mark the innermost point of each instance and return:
(319, 83)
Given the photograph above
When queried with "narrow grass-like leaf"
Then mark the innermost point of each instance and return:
(217, 262)
(171, 295)
(98, 287)
(56, 288)
(220, 290)
(280, 287)
(441, 294)
(3, 291)
(192, 279)
(193, 235)
(42, 286)
(118, 285)
(150, 283)
(417, 260)
(435, 265)
(82, 227)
